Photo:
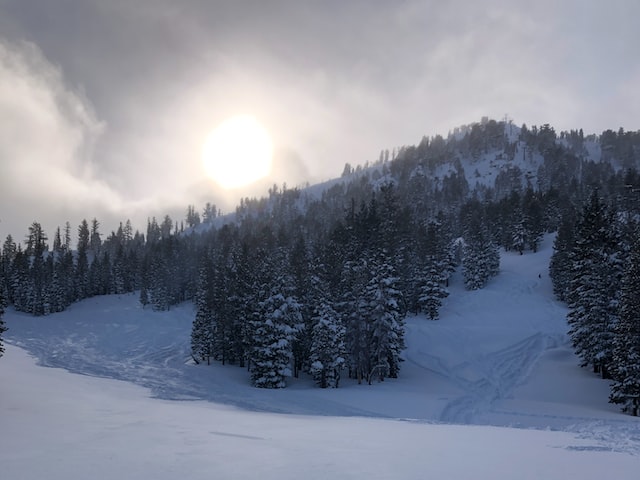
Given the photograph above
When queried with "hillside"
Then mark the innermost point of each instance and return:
(497, 356)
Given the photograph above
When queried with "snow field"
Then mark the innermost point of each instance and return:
(498, 357)
(58, 426)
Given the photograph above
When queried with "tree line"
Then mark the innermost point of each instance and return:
(595, 269)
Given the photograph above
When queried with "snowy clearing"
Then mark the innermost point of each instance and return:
(59, 426)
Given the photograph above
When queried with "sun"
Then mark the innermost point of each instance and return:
(237, 152)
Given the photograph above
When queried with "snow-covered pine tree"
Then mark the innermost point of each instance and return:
(480, 256)
(625, 389)
(480, 262)
(222, 300)
(38, 277)
(3, 327)
(327, 355)
(158, 288)
(19, 281)
(432, 291)
(532, 219)
(300, 266)
(518, 241)
(57, 294)
(560, 264)
(202, 330)
(120, 272)
(351, 308)
(242, 302)
(385, 320)
(274, 329)
(594, 286)
(6, 266)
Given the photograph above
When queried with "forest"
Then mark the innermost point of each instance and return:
(318, 280)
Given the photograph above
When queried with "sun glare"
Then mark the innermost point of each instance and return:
(237, 152)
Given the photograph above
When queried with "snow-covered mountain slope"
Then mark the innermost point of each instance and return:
(60, 426)
(498, 356)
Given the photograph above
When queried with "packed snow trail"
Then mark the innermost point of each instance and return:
(497, 356)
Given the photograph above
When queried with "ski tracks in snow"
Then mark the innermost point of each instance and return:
(491, 378)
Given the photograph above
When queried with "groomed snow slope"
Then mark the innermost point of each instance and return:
(499, 356)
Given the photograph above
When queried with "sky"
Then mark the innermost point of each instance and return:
(105, 106)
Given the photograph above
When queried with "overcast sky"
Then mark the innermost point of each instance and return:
(104, 105)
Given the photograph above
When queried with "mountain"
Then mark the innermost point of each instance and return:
(362, 253)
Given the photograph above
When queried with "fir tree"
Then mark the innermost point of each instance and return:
(38, 277)
(532, 219)
(519, 238)
(560, 264)
(327, 350)
(594, 286)
(9, 250)
(19, 283)
(3, 328)
(384, 321)
(202, 331)
(432, 291)
(301, 275)
(625, 389)
(480, 261)
(273, 333)
(351, 307)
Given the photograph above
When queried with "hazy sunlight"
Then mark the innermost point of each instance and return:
(238, 152)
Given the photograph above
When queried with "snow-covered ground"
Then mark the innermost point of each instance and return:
(499, 358)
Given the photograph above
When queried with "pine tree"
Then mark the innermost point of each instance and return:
(327, 351)
(480, 256)
(351, 308)
(241, 302)
(9, 250)
(222, 312)
(158, 282)
(594, 286)
(82, 284)
(57, 294)
(532, 219)
(3, 327)
(432, 291)
(274, 329)
(384, 321)
(95, 241)
(202, 330)
(625, 389)
(560, 264)
(20, 284)
(518, 241)
(480, 262)
(38, 277)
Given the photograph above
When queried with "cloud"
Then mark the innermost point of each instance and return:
(333, 82)
(47, 138)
